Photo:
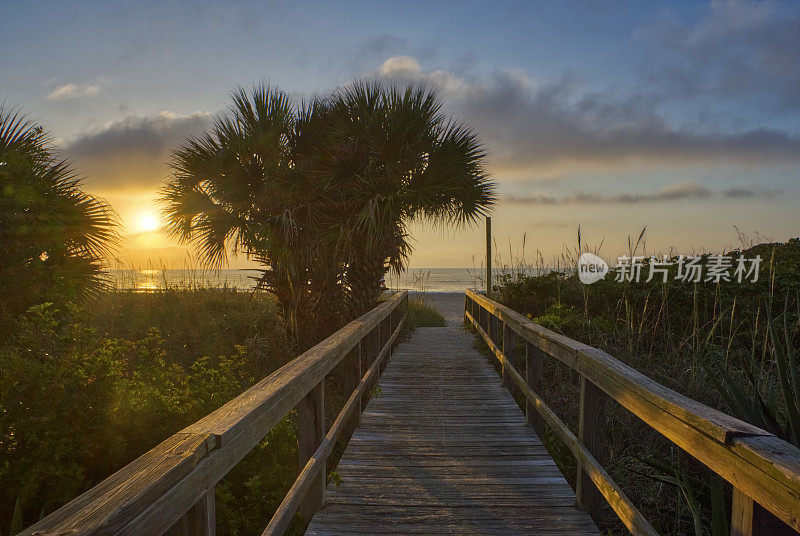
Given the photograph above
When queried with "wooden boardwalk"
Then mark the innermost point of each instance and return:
(444, 449)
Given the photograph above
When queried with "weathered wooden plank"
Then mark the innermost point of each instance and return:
(316, 464)
(616, 498)
(371, 519)
(430, 457)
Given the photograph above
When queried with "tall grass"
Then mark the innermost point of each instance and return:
(731, 346)
(423, 314)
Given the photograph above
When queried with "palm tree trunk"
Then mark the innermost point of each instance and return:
(365, 275)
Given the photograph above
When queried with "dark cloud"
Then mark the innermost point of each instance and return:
(737, 47)
(134, 150)
(151, 135)
(536, 129)
(749, 191)
(671, 192)
(561, 124)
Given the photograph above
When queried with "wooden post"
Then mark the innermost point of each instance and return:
(311, 431)
(354, 373)
(592, 434)
(382, 340)
(488, 255)
(360, 375)
(493, 328)
(533, 377)
(393, 324)
(509, 343)
(200, 520)
(741, 514)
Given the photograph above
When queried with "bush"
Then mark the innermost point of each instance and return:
(82, 398)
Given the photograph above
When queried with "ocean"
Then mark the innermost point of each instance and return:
(419, 279)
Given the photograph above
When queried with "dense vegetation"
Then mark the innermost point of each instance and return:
(732, 346)
(85, 390)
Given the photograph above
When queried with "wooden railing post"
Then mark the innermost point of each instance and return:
(509, 344)
(748, 518)
(311, 431)
(382, 338)
(488, 256)
(360, 374)
(200, 520)
(592, 434)
(741, 514)
(354, 375)
(533, 377)
(493, 327)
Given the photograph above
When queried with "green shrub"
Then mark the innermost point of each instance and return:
(82, 397)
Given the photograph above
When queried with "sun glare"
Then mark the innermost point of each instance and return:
(147, 222)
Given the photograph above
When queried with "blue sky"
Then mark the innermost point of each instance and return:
(684, 117)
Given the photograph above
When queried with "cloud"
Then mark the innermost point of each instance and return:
(73, 91)
(401, 66)
(671, 192)
(750, 191)
(735, 47)
(133, 151)
(540, 128)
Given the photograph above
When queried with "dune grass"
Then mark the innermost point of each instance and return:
(713, 342)
(422, 314)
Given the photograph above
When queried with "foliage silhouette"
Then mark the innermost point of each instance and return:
(53, 235)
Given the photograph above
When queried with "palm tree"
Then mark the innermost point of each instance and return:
(397, 159)
(322, 194)
(54, 237)
(249, 185)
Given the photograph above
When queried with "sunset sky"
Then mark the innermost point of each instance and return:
(684, 117)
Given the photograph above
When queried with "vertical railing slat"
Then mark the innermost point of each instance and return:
(592, 434)
(741, 514)
(310, 432)
(199, 520)
(533, 377)
(509, 344)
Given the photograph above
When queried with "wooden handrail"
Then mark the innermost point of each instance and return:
(760, 466)
(171, 487)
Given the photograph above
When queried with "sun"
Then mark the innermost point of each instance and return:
(147, 223)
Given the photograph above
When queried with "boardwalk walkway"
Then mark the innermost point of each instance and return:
(444, 449)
